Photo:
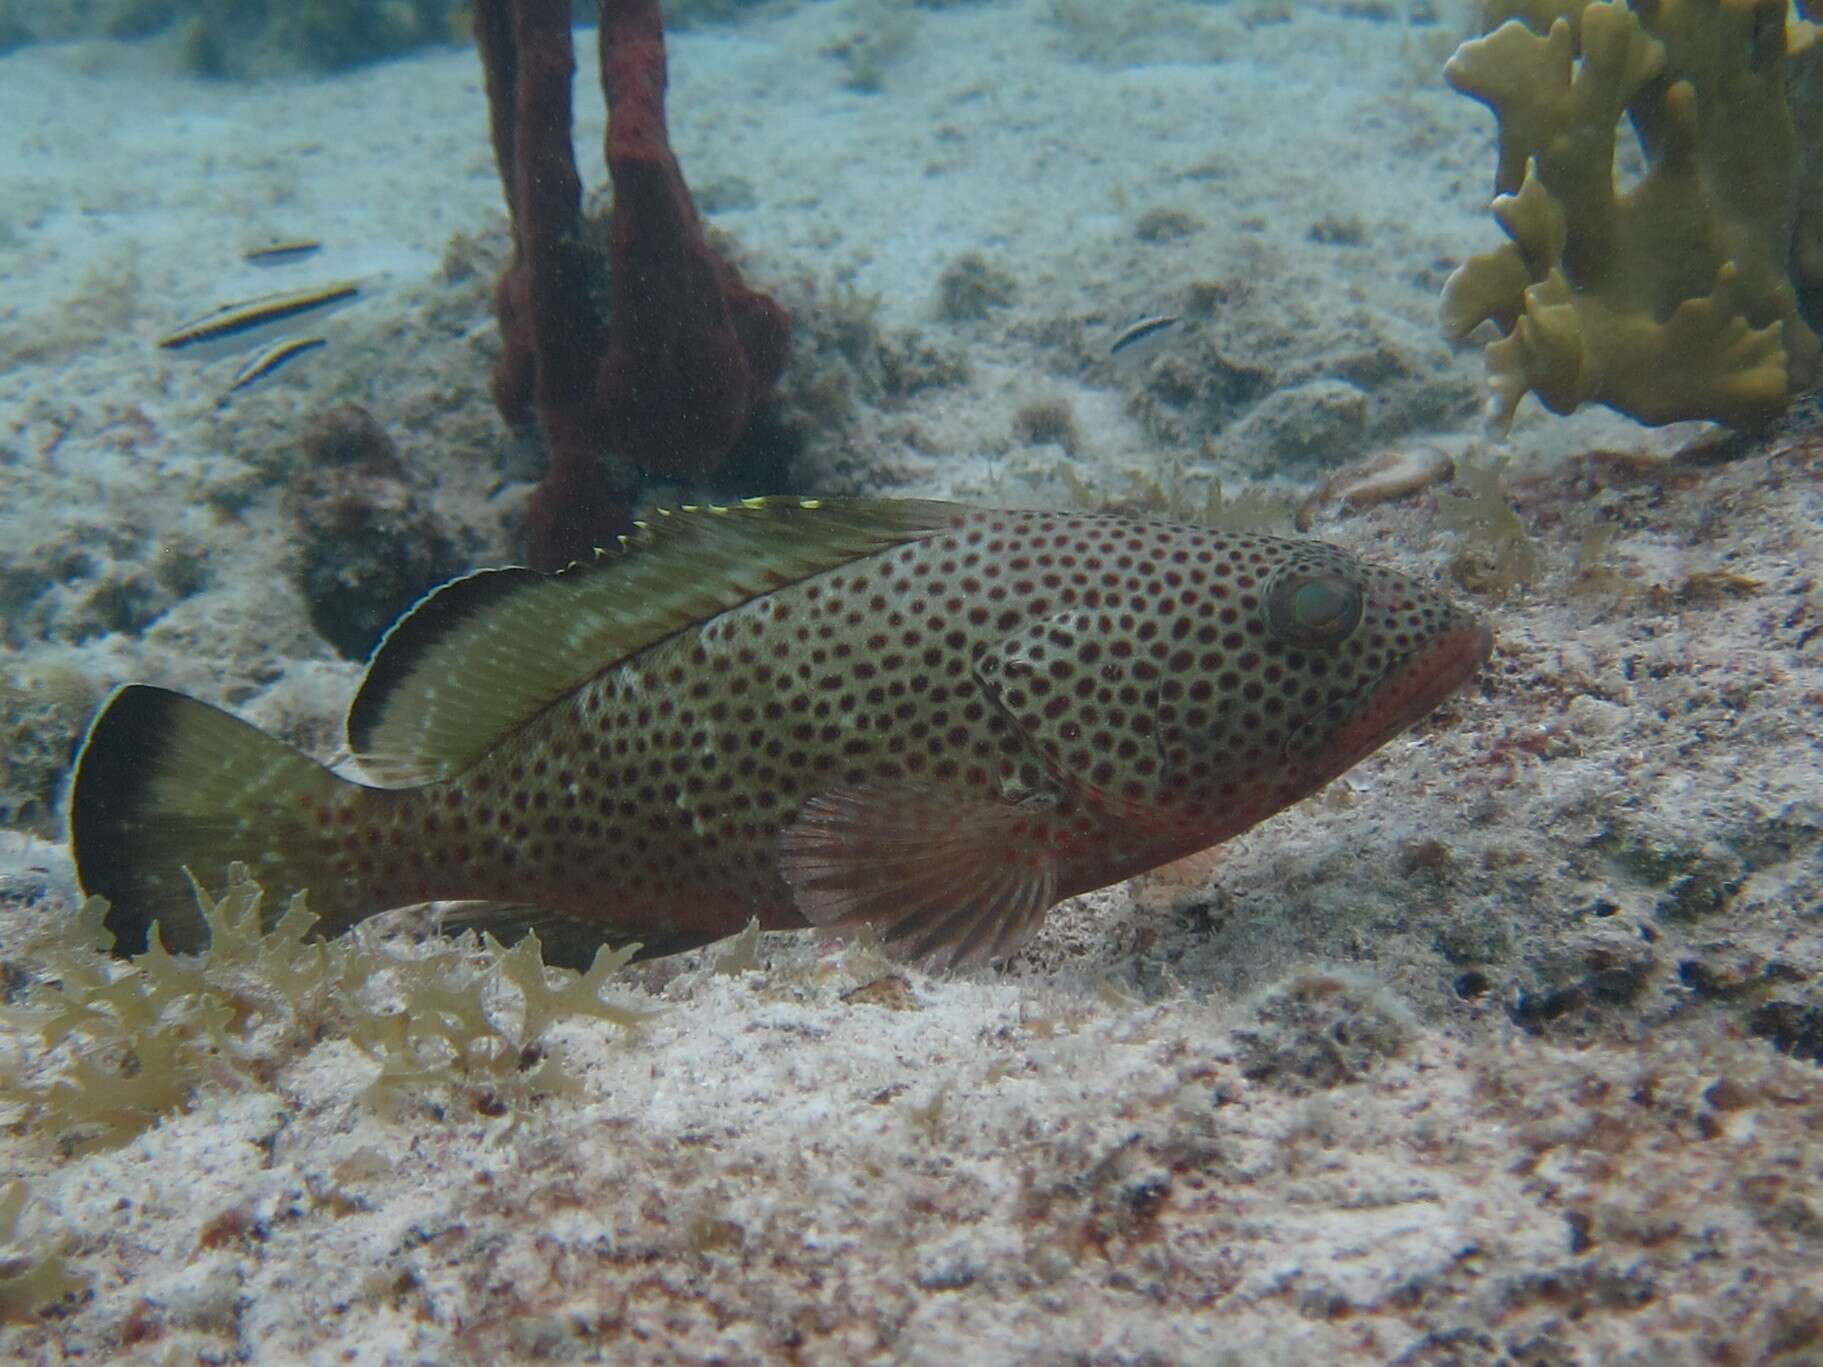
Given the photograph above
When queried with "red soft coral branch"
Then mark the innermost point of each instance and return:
(687, 352)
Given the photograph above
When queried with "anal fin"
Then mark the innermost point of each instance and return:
(943, 879)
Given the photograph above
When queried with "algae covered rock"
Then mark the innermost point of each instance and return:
(43, 709)
(370, 542)
(1669, 300)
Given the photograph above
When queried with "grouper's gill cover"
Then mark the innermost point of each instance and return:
(937, 718)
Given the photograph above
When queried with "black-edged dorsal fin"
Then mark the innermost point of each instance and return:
(490, 651)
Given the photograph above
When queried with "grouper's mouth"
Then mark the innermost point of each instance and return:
(1398, 699)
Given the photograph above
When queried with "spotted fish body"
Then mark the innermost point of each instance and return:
(936, 718)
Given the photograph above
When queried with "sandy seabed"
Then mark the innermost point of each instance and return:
(1502, 1050)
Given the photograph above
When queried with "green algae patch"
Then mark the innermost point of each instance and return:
(1690, 880)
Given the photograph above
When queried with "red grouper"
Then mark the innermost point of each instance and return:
(935, 718)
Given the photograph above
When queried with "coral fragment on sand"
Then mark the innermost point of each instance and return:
(1378, 479)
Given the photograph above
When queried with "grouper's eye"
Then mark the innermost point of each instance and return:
(1311, 609)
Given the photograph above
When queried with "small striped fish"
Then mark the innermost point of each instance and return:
(282, 253)
(263, 364)
(1140, 341)
(232, 327)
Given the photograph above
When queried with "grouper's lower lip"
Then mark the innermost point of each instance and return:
(1406, 694)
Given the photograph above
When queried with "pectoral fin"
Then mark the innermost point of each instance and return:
(943, 879)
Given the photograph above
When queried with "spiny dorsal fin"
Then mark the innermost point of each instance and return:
(488, 652)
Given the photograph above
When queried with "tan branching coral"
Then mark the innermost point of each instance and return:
(118, 1046)
(1672, 299)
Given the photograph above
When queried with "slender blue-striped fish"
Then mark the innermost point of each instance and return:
(263, 364)
(1140, 341)
(283, 252)
(248, 322)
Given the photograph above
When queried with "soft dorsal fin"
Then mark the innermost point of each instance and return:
(488, 652)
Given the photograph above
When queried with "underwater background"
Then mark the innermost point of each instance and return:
(1504, 1048)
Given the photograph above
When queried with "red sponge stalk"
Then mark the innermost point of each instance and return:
(669, 381)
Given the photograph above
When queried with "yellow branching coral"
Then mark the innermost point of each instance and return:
(1673, 299)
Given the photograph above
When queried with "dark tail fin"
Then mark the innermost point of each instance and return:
(165, 783)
